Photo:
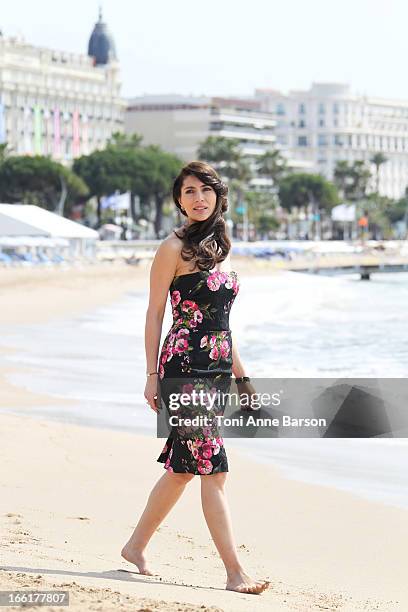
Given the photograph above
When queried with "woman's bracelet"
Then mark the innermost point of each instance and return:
(150, 373)
(241, 379)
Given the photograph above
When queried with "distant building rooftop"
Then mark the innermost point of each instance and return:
(101, 46)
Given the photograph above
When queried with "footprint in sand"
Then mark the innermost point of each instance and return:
(14, 514)
(183, 537)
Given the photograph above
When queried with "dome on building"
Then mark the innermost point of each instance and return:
(101, 45)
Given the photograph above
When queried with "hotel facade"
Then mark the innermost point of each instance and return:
(179, 124)
(57, 103)
(327, 123)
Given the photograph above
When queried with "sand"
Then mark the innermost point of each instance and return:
(71, 495)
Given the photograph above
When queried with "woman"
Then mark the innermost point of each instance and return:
(193, 264)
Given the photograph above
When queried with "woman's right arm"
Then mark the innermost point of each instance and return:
(161, 275)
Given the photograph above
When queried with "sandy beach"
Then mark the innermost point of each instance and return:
(70, 497)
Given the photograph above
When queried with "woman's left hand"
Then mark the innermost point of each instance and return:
(246, 392)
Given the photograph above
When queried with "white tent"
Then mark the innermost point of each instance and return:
(25, 221)
(32, 241)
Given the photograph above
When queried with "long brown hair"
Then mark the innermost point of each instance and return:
(207, 241)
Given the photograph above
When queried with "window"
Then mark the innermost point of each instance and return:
(335, 108)
(321, 123)
(322, 140)
(302, 123)
(338, 141)
(302, 109)
(322, 109)
(280, 109)
(302, 141)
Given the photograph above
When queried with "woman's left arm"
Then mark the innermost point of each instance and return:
(238, 368)
(245, 389)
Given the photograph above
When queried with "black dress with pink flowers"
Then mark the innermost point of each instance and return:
(197, 356)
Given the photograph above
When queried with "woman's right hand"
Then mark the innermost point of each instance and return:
(150, 392)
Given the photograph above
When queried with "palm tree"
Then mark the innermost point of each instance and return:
(378, 159)
(273, 165)
(226, 155)
(361, 175)
(5, 150)
(342, 177)
(352, 179)
(125, 141)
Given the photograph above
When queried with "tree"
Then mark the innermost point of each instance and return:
(118, 140)
(343, 177)
(5, 151)
(146, 171)
(352, 179)
(262, 211)
(153, 172)
(162, 168)
(226, 156)
(302, 189)
(397, 211)
(378, 159)
(273, 165)
(105, 171)
(39, 180)
(378, 209)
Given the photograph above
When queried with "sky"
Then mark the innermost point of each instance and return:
(231, 47)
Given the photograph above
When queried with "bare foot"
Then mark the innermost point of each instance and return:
(241, 582)
(136, 557)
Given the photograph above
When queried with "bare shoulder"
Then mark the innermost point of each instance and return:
(171, 245)
(166, 259)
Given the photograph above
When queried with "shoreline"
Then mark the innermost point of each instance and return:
(59, 292)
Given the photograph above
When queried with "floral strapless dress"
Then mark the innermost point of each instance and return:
(197, 355)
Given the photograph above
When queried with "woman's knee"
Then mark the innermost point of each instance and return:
(180, 478)
(217, 480)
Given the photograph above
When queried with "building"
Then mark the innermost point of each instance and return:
(58, 103)
(327, 123)
(179, 124)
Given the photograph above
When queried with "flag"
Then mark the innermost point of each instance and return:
(75, 133)
(116, 201)
(344, 212)
(57, 133)
(2, 124)
(37, 130)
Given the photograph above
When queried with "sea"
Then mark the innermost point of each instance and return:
(286, 325)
